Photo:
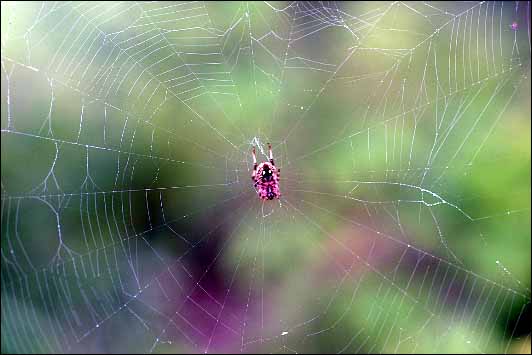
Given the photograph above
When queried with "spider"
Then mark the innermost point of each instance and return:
(266, 177)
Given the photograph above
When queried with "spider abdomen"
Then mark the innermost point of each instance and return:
(268, 190)
(267, 181)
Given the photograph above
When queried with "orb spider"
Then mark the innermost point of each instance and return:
(266, 177)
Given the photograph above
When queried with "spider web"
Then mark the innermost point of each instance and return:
(129, 220)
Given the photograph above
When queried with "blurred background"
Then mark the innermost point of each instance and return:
(130, 222)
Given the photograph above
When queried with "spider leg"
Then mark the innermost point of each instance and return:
(254, 163)
(271, 154)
